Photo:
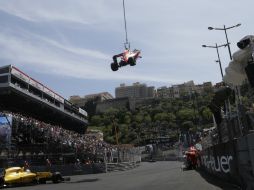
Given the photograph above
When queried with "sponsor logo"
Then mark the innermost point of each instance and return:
(218, 163)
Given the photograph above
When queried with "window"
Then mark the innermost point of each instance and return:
(4, 70)
(4, 79)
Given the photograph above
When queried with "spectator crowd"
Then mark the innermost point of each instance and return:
(28, 132)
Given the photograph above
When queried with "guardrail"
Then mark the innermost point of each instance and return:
(110, 167)
(82, 169)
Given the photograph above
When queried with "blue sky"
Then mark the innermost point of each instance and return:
(68, 45)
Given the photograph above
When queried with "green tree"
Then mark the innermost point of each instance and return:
(186, 114)
(187, 125)
(147, 119)
(96, 120)
(207, 114)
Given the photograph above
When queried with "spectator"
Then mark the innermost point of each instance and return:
(26, 166)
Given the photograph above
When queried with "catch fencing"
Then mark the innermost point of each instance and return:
(117, 159)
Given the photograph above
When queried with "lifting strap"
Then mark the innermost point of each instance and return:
(127, 43)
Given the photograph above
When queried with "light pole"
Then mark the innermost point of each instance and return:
(217, 50)
(225, 30)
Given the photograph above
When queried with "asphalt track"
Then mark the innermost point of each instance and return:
(148, 176)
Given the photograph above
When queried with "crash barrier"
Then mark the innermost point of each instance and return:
(110, 167)
(232, 161)
(82, 169)
(68, 170)
(171, 157)
(72, 169)
(123, 154)
(221, 160)
(123, 158)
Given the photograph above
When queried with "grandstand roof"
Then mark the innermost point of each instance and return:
(19, 99)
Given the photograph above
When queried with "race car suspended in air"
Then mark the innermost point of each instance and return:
(128, 57)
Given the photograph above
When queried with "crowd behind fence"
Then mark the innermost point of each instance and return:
(42, 140)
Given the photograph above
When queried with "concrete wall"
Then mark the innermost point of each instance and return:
(114, 103)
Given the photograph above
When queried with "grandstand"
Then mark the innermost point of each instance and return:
(37, 123)
(24, 137)
(20, 93)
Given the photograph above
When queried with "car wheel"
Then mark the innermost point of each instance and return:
(35, 181)
(131, 61)
(114, 66)
(1, 181)
(56, 178)
(42, 181)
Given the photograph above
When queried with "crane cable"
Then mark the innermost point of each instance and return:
(126, 44)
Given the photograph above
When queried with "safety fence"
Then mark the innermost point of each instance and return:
(122, 153)
(117, 159)
(154, 152)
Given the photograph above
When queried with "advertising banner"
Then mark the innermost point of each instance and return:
(83, 112)
(49, 92)
(5, 130)
(221, 160)
(19, 74)
(59, 98)
(36, 84)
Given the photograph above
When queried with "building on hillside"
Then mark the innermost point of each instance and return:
(123, 103)
(180, 90)
(77, 100)
(81, 101)
(218, 85)
(199, 88)
(176, 91)
(166, 92)
(163, 92)
(208, 87)
(151, 92)
(185, 89)
(102, 96)
(137, 90)
(89, 102)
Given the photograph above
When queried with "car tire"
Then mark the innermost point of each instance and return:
(114, 66)
(1, 181)
(131, 61)
(42, 181)
(35, 181)
(57, 177)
